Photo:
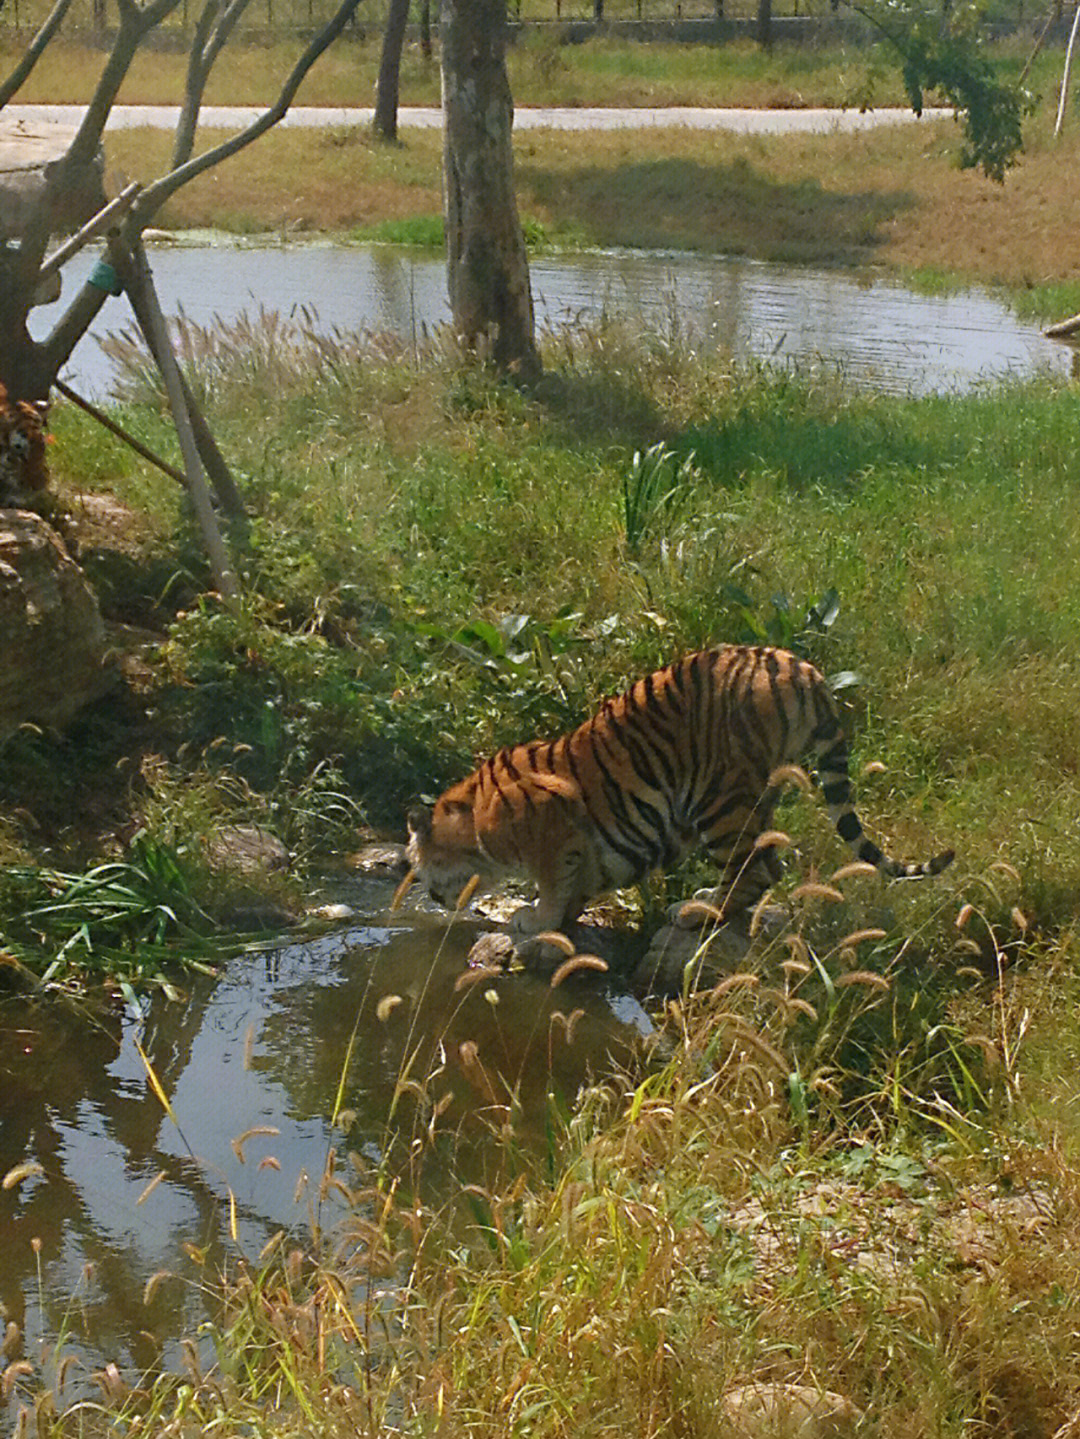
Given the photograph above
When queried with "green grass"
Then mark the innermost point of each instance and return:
(857, 1168)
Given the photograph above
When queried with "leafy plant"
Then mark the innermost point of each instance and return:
(653, 488)
(135, 911)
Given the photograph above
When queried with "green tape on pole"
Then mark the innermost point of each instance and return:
(104, 277)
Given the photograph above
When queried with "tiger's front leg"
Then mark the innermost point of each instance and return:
(562, 889)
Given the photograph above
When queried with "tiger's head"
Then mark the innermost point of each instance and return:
(444, 853)
(23, 470)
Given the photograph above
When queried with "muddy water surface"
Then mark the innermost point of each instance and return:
(264, 1047)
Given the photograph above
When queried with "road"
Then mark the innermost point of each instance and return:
(744, 122)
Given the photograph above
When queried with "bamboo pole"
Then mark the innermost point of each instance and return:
(120, 433)
(1065, 75)
(90, 231)
(139, 283)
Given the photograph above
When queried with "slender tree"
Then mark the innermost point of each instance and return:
(384, 122)
(487, 264)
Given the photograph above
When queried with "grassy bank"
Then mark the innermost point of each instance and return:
(383, 492)
(856, 1169)
(891, 197)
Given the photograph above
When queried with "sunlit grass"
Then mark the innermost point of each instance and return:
(892, 197)
(854, 1167)
(826, 1175)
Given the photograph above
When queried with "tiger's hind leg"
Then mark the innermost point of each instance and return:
(730, 832)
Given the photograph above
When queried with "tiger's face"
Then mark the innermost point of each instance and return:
(443, 851)
(23, 471)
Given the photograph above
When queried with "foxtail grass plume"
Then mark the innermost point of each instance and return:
(571, 966)
(557, 940)
(476, 975)
(402, 890)
(785, 774)
(20, 1172)
(814, 889)
(864, 977)
(851, 870)
(467, 892)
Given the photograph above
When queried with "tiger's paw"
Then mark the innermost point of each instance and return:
(544, 951)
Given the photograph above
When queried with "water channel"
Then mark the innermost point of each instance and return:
(875, 331)
(261, 1048)
(264, 1046)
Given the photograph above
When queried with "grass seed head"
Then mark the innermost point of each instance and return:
(814, 889)
(786, 774)
(864, 977)
(571, 966)
(698, 912)
(850, 871)
(467, 893)
(557, 940)
(402, 890)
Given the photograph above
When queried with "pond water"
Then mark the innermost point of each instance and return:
(263, 1048)
(877, 332)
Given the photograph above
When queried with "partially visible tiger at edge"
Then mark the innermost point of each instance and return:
(24, 473)
(687, 756)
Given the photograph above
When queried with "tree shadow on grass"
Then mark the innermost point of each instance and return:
(731, 207)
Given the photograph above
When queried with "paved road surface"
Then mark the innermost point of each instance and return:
(745, 122)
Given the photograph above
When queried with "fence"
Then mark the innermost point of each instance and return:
(285, 16)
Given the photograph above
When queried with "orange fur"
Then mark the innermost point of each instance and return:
(684, 757)
(24, 472)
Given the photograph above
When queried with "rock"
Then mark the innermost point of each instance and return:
(786, 1411)
(378, 858)
(493, 950)
(31, 157)
(702, 956)
(245, 849)
(54, 639)
(258, 914)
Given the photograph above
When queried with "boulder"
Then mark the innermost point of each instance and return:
(53, 656)
(787, 1411)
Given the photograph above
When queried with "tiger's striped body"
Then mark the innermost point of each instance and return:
(23, 471)
(683, 758)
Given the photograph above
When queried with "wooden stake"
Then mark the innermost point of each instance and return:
(134, 269)
(1066, 74)
(120, 433)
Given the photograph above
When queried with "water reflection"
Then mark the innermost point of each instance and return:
(878, 332)
(267, 1047)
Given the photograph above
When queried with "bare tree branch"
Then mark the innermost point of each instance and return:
(211, 35)
(21, 73)
(155, 194)
(135, 24)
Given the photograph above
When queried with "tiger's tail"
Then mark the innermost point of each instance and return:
(833, 776)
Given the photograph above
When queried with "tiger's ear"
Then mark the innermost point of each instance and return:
(419, 821)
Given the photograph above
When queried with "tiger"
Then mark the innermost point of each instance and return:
(688, 756)
(24, 473)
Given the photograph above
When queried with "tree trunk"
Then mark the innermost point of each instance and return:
(487, 266)
(764, 24)
(425, 29)
(384, 122)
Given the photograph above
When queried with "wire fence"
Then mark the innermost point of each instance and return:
(90, 17)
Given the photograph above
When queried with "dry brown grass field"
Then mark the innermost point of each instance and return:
(892, 197)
